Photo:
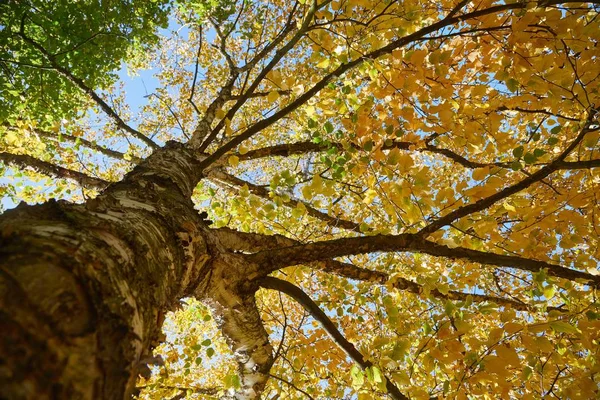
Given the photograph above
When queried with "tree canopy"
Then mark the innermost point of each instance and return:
(420, 179)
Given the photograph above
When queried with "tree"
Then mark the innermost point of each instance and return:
(418, 181)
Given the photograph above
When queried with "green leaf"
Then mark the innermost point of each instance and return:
(210, 352)
(328, 127)
(206, 342)
(377, 376)
(488, 308)
(357, 375)
(232, 381)
(538, 152)
(518, 152)
(516, 166)
(556, 130)
(549, 291)
(512, 85)
(529, 158)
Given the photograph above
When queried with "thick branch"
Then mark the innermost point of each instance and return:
(318, 251)
(285, 150)
(24, 161)
(237, 316)
(248, 242)
(299, 148)
(306, 302)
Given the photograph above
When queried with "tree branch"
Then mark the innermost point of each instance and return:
(208, 390)
(249, 242)
(274, 259)
(306, 302)
(284, 150)
(290, 384)
(351, 271)
(196, 65)
(23, 161)
(510, 190)
(343, 68)
(279, 54)
(84, 142)
(299, 148)
(238, 319)
(252, 242)
(264, 193)
(87, 90)
(258, 94)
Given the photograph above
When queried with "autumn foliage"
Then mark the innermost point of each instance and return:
(431, 171)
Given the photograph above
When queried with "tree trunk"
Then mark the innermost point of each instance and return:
(84, 287)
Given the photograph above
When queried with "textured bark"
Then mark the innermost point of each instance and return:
(274, 259)
(83, 288)
(229, 293)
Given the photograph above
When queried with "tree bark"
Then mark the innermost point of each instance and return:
(84, 287)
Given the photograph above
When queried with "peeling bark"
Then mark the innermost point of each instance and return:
(230, 294)
(84, 287)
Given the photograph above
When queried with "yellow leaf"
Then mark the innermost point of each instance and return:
(307, 192)
(299, 210)
(56, 126)
(508, 206)
(512, 327)
(369, 196)
(405, 162)
(273, 96)
(220, 114)
(549, 291)
(479, 174)
(228, 130)
(234, 161)
(11, 138)
(508, 355)
(324, 63)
